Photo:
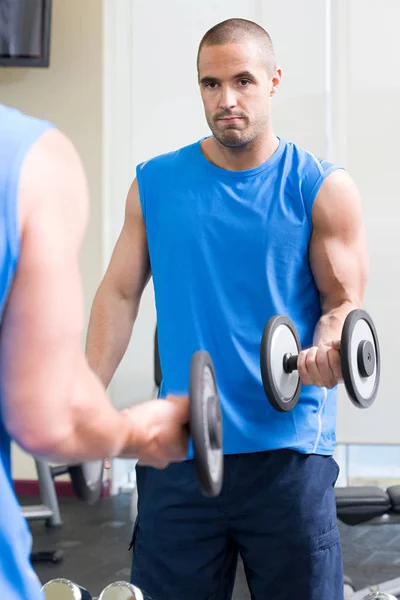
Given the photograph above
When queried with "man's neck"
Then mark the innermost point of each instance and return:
(242, 158)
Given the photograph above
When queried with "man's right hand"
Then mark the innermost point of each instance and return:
(160, 431)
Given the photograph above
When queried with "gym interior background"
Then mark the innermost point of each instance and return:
(122, 87)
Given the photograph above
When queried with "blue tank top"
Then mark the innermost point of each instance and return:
(228, 250)
(18, 133)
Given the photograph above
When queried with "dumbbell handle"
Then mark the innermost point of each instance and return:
(290, 362)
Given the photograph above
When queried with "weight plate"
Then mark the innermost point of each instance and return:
(358, 328)
(279, 338)
(87, 480)
(206, 424)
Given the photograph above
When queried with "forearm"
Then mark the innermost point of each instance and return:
(82, 425)
(110, 329)
(330, 325)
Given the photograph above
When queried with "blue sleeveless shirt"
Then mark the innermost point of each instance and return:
(228, 250)
(18, 133)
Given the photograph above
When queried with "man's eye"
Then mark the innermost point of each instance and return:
(211, 85)
(244, 82)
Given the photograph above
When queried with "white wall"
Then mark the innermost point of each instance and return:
(370, 100)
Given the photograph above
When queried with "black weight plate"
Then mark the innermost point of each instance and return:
(157, 363)
(358, 328)
(87, 480)
(279, 337)
(206, 424)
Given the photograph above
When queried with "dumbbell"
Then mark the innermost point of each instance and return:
(359, 358)
(205, 428)
(121, 590)
(379, 596)
(64, 589)
(350, 591)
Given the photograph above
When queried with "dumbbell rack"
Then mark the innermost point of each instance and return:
(49, 510)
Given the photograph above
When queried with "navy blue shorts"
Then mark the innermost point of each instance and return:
(277, 510)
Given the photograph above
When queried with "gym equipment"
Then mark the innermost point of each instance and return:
(64, 589)
(369, 505)
(380, 596)
(359, 357)
(157, 364)
(206, 424)
(120, 590)
(86, 482)
(49, 511)
(205, 428)
(205, 419)
(349, 595)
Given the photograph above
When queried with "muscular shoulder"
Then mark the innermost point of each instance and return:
(308, 172)
(169, 160)
(338, 206)
(306, 163)
(52, 178)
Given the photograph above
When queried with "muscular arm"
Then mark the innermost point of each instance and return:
(53, 405)
(338, 257)
(338, 253)
(117, 300)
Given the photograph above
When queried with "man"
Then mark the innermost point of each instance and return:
(235, 228)
(51, 403)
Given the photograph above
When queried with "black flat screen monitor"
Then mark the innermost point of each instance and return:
(25, 33)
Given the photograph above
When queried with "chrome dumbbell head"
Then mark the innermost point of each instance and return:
(380, 596)
(120, 590)
(64, 589)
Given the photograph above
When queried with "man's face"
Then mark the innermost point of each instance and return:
(236, 90)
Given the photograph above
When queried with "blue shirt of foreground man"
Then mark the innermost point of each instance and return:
(51, 403)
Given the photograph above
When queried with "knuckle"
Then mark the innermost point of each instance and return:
(310, 358)
(300, 361)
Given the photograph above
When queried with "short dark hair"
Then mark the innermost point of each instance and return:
(238, 30)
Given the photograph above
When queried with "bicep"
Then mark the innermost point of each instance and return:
(43, 322)
(338, 248)
(129, 269)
